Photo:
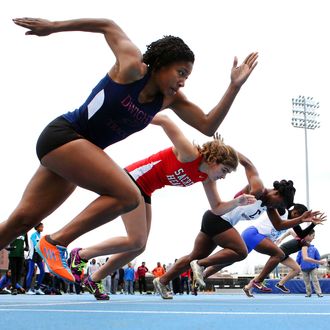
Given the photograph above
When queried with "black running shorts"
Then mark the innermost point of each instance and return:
(291, 247)
(213, 224)
(56, 133)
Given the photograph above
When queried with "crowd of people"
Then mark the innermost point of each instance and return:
(132, 280)
(28, 274)
(33, 278)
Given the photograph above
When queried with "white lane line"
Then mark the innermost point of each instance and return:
(157, 312)
(161, 303)
(53, 304)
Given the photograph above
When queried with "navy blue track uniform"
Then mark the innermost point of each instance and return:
(111, 113)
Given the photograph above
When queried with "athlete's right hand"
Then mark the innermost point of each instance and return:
(37, 26)
(245, 199)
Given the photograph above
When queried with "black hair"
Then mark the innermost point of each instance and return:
(167, 50)
(300, 208)
(281, 211)
(37, 226)
(286, 190)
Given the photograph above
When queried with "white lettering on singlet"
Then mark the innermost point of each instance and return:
(179, 178)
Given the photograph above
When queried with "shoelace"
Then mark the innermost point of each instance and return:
(163, 289)
(81, 266)
(64, 256)
(100, 287)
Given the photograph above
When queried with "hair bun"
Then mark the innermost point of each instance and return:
(286, 190)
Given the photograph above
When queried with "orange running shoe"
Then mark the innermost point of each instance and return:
(55, 256)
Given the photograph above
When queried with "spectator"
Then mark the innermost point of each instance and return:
(120, 280)
(129, 279)
(141, 272)
(176, 282)
(6, 283)
(309, 260)
(16, 261)
(34, 258)
(107, 281)
(184, 282)
(114, 282)
(92, 267)
(59, 285)
(48, 278)
(158, 270)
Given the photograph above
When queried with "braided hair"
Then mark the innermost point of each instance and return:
(286, 190)
(167, 50)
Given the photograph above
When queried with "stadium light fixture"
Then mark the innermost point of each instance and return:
(305, 115)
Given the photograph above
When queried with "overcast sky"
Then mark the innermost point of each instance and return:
(42, 78)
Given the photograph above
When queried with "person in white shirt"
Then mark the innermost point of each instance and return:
(92, 267)
(107, 281)
(33, 259)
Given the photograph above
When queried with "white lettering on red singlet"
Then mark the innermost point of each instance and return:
(179, 178)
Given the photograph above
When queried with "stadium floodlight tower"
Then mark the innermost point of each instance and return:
(304, 115)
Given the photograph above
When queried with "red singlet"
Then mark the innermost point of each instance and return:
(164, 169)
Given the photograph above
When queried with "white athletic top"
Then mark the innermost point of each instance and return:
(265, 226)
(246, 212)
(33, 241)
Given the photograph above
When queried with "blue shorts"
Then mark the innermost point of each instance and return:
(252, 237)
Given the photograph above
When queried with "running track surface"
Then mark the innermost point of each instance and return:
(212, 311)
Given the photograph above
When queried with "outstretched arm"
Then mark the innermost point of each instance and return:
(128, 65)
(255, 185)
(184, 149)
(247, 195)
(308, 216)
(302, 233)
(208, 123)
(220, 207)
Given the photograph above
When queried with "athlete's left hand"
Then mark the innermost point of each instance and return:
(313, 216)
(320, 219)
(239, 74)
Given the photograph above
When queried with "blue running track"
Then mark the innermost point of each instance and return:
(213, 311)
